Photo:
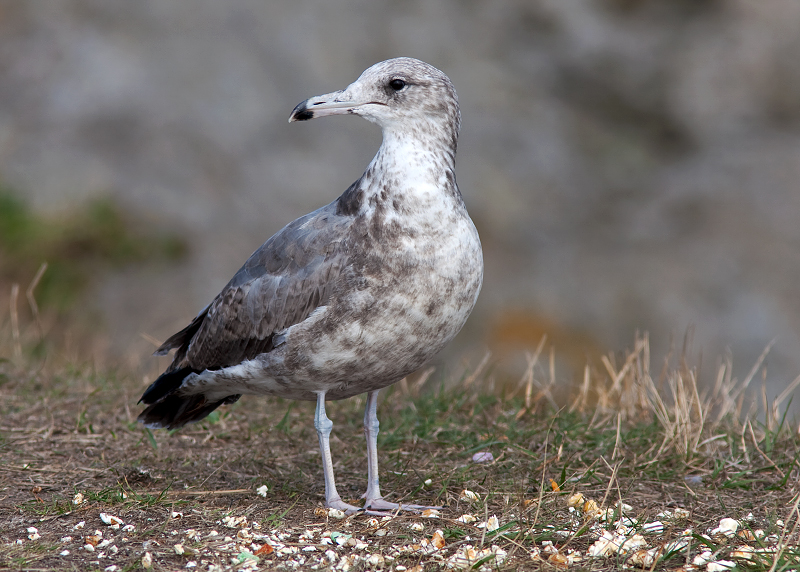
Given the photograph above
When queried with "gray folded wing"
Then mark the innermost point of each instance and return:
(286, 279)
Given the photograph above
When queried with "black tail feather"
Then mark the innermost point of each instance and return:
(175, 411)
(166, 383)
(170, 410)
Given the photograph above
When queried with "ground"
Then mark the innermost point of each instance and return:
(612, 478)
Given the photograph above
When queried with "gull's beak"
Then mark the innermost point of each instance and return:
(335, 103)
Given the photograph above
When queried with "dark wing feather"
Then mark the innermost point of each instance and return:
(285, 280)
(182, 337)
(174, 411)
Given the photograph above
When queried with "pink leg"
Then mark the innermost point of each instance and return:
(375, 503)
(324, 426)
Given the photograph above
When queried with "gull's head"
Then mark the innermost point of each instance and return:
(397, 92)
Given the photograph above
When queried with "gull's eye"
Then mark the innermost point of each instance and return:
(397, 84)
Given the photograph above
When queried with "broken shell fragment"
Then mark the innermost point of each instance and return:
(111, 520)
(576, 500)
(438, 539)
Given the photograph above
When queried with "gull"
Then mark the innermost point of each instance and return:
(352, 297)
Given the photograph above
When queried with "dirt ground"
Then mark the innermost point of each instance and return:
(84, 487)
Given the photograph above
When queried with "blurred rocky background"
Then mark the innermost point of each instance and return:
(630, 164)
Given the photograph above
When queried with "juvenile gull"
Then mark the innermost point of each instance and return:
(352, 297)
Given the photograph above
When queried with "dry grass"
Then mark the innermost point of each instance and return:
(628, 470)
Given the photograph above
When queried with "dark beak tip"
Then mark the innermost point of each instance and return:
(301, 113)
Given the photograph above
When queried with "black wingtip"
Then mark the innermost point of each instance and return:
(301, 113)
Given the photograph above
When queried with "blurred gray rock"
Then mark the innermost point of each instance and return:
(630, 164)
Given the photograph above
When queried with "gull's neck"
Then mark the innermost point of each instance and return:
(414, 170)
(416, 155)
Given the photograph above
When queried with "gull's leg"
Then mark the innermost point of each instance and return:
(374, 498)
(323, 425)
(371, 428)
